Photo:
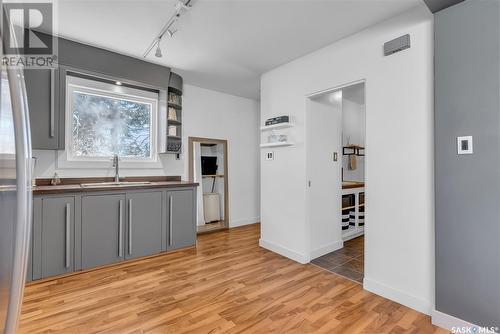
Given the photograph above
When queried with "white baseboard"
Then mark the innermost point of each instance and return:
(284, 251)
(455, 324)
(398, 296)
(326, 249)
(241, 222)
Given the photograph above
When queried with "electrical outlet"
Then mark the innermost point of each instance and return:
(269, 155)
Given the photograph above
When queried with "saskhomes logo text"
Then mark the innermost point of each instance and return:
(28, 30)
(474, 330)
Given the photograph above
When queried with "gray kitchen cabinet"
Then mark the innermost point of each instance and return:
(78, 231)
(36, 236)
(103, 229)
(57, 235)
(29, 270)
(47, 130)
(144, 224)
(181, 222)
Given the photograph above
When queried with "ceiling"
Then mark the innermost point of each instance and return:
(223, 45)
(437, 5)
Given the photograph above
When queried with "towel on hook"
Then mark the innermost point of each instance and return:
(353, 162)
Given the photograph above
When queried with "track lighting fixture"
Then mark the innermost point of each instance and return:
(181, 7)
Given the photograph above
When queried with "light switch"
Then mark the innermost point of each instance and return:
(269, 155)
(464, 145)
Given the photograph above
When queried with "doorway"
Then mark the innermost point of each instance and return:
(335, 146)
(208, 165)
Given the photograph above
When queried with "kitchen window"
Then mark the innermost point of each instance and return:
(104, 119)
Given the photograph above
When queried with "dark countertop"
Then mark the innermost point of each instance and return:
(71, 188)
(76, 187)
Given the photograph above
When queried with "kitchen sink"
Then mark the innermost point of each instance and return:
(114, 184)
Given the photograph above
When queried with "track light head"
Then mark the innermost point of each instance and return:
(158, 53)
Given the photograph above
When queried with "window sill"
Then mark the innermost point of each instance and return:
(64, 163)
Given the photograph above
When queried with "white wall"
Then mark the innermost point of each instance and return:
(222, 116)
(353, 128)
(399, 157)
(211, 114)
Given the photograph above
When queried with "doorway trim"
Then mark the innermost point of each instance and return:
(315, 94)
(191, 141)
(332, 89)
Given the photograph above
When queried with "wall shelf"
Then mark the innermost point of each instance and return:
(276, 144)
(174, 105)
(277, 126)
(174, 122)
(174, 115)
(353, 150)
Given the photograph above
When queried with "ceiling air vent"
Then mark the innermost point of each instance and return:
(396, 45)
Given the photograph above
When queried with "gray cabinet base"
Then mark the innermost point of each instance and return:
(81, 231)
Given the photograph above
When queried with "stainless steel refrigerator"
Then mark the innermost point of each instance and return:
(15, 194)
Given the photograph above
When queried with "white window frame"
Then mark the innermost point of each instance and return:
(66, 159)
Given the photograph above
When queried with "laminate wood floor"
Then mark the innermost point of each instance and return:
(228, 284)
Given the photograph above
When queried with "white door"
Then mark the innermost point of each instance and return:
(324, 163)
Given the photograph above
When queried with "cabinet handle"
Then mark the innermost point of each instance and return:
(130, 226)
(170, 206)
(52, 102)
(120, 229)
(68, 235)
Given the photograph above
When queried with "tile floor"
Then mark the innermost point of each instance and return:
(211, 227)
(348, 261)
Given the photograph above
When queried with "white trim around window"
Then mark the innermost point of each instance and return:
(66, 158)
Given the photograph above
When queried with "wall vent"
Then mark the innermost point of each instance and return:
(396, 45)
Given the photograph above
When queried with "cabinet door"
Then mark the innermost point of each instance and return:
(144, 230)
(103, 227)
(29, 270)
(58, 221)
(181, 227)
(41, 89)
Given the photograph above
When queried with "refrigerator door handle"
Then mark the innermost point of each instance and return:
(24, 163)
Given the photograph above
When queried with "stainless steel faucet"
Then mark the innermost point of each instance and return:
(116, 164)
